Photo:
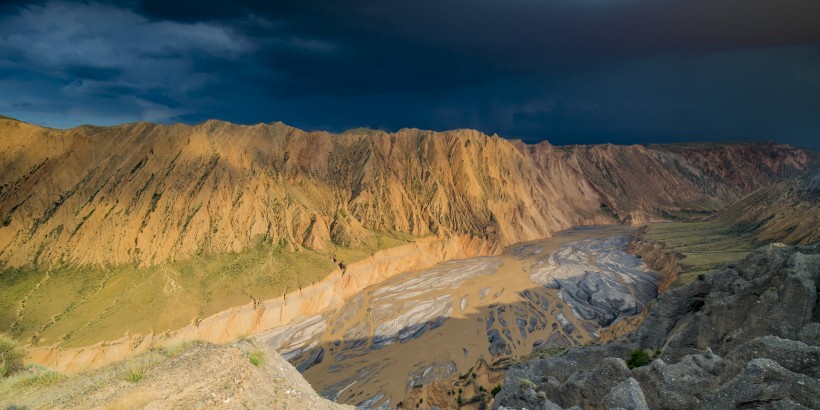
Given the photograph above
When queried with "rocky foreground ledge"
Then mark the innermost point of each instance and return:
(746, 336)
(194, 375)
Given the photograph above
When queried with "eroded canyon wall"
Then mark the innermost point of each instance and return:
(640, 183)
(787, 211)
(144, 193)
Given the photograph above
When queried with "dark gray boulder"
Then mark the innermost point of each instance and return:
(627, 395)
(763, 381)
(680, 385)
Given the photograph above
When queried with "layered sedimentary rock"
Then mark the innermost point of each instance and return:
(640, 183)
(788, 211)
(145, 193)
(746, 336)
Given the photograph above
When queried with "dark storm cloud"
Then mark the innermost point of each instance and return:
(565, 70)
(84, 72)
(427, 45)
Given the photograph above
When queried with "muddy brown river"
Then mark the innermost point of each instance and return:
(421, 326)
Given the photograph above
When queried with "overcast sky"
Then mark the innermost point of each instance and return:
(568, 71)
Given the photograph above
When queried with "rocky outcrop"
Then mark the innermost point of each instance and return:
(197, 375)
(745, 336)
(771, 292)
(147, 194)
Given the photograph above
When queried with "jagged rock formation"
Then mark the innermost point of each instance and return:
(788, 211)
(145, 193)
(746, 336)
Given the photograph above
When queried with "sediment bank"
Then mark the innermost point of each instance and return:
(657, 257)
(259, 316)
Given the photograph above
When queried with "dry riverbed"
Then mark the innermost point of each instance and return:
(434, 325)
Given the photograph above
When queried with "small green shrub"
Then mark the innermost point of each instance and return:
(30, 376)
(40, 377)
(638, 358)
(256, 357)
(134, 372)
(134, 376)
(524, 383)
(495, 390)
(11, 357)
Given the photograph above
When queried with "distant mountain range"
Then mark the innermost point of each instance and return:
(146, 193)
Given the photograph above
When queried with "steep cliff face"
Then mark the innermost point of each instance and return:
(641, 183)
(144, 193)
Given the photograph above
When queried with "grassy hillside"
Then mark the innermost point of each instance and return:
(705, 245)
(78, 306)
